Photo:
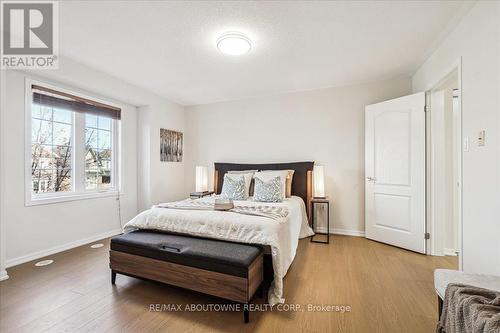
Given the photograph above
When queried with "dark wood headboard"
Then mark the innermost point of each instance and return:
(301, 183)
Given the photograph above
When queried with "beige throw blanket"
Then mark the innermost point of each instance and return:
(272, 212)
(470, 309)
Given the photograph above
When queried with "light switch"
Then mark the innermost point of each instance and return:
(481, 138)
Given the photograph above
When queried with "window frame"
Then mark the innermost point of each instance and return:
(79, 192)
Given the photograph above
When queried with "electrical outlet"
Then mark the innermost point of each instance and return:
(481, 138)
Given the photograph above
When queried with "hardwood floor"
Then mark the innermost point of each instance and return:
(388, 290)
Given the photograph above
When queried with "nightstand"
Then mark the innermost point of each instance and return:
(196, 195)
(325, 202)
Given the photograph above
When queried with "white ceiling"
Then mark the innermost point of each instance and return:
(169, 47)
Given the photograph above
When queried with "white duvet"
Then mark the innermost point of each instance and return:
(281, 235)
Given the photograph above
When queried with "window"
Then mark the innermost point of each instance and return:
(51, 133)
(98, 152)
(72, 147)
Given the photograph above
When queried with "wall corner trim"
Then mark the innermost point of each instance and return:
(3, 275)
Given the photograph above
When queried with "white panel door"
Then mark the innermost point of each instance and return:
(395, 172)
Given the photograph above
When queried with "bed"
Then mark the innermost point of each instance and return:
(279, 237)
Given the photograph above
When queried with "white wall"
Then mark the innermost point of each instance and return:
(37, 230)
(477, 41)
(158, 181)
(326, 126)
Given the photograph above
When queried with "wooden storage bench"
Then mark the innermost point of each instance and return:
(228, 270)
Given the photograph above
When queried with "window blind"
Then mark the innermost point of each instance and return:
(57, 99)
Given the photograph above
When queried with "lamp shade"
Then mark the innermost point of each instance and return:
(201, 179)
(319, 181)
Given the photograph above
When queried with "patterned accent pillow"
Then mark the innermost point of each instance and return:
(270, 191)
(233, 188)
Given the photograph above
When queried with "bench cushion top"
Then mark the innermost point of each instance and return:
(443, 277)
(213, 255)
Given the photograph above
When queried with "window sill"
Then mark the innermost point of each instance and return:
(71, 197)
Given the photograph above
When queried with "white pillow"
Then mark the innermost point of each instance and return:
(266, 176)
(234, 175)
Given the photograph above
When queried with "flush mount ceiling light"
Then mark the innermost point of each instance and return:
(234, 43)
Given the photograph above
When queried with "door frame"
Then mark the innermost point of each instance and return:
(436, 233)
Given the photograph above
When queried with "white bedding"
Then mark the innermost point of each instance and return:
(281, 235)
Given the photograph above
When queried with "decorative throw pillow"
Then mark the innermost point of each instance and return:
(268, 191)
(267, 175)
(233, 188)
(248, 174)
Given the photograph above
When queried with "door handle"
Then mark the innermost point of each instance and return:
(371, 179)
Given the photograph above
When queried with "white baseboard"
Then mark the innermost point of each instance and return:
(345, 232)
(3, 275)
(60, 248)
(450, 252)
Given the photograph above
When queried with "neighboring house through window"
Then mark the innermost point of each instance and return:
(51, 147)
(98, 152)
